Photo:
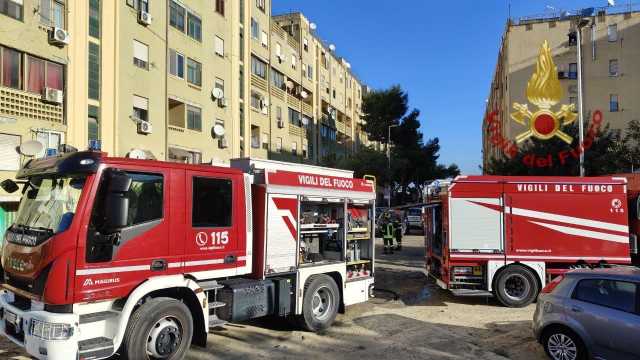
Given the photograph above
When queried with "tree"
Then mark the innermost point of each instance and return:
(367, 161)
(383, 108)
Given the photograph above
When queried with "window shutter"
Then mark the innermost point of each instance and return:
(140, 102)
(140, 51)
(219, 45)
(9, 157)
(265, 39)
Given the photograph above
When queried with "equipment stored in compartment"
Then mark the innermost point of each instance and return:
(249, 299)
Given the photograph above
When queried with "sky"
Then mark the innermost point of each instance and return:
(443, 54)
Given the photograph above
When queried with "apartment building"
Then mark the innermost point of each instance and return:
(180, 80)
(610, 58)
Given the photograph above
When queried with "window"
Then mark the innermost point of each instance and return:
(184, 156)
(212, 202)
(293, 61)
(194, 72)
(176, 15)
(294, 117)
(612, 32)
(256, 100)
(265, 141)
(11, 66)
(41, 74)
(279, 51)
(219, 46)
(258, 67)
(310, 71)
(573, 71)
(255, 137)
(145, 198)
(12, 8)
(305, 44)
(278, 145)
(278, 79)
(334, 93)
(613, 103)
(52, 13)
(220, 7)
(94, 18)
(94, 71)
(265, 39)
(93, 123)
(219, 84)
(255, 29)
(35, 74)
(613, 67)
(241, 82)
(176, 64)
(140, 5)
(194, 26)
(194, 118)
(50, 139)
(260, 4)
(620, 295)
(140, 108)
(140, 55)
(328, 132)
(278, 112)
(9, 157)
(294, 148)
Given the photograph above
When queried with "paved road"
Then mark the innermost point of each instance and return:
(424, 322)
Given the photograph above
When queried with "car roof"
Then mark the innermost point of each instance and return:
(618, 272)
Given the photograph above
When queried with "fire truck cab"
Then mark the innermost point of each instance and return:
(143, 257)
(508, 236)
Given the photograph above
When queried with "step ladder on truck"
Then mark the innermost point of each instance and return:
(508, 237)
(142, 257)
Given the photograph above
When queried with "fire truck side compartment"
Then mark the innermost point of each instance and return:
(249, 299)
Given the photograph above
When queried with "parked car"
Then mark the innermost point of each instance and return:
(590, 314)
(412, 220)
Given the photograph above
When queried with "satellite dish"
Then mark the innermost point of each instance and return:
(218, 130)
(313, 26)
(304, 94)
(31, 148)
(217, 93)
(137, 154)
(305, 121)
(332, 47)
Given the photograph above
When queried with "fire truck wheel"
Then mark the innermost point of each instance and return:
(161, 328)
(516, 286)
(320, 303)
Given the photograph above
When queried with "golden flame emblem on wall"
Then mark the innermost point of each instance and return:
(544, 91)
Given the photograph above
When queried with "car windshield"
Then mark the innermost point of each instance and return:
(49, 203)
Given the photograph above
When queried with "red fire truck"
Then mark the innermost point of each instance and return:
(508, 236)
(143, 257)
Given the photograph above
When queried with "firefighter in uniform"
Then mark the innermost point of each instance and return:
(398, 234)
(388, 233)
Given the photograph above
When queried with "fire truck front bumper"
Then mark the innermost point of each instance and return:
(43, 335)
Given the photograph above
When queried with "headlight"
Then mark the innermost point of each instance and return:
(50, 331)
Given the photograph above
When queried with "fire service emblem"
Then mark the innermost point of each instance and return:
(544, 91)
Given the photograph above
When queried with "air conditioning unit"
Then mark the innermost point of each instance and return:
(223, 102)
(144, 18)
(58, 36)
(265, 110)
(144, 127)
(53, 96)
(280, 124)
(223, 143)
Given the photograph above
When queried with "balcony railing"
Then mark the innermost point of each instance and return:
(17, 103)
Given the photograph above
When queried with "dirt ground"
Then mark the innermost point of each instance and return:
(424, 322)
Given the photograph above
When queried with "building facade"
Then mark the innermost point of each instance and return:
(180, 80)
(611, 69)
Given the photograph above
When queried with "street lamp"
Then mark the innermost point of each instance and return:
(581, 23)
(389, 162)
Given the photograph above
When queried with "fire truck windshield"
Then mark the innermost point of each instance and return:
(49, 203)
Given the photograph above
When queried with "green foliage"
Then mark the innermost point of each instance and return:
(383, 108)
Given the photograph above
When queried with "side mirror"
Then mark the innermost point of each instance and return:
(116, 204)
(9, 186)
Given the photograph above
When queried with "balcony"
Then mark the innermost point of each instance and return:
(296, 130)
(293, 101)
(307, 109)
(259, 82)
(17, 103)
